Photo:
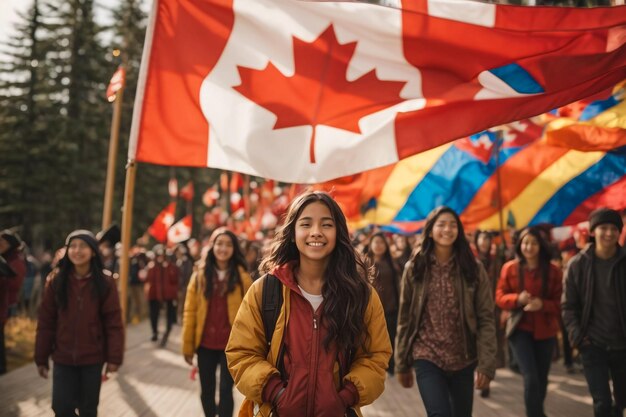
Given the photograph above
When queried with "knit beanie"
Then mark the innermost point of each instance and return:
(86, 236)
(12, 239)
(605, 215)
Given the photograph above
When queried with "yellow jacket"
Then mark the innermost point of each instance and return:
(196, 306)
(251, 365)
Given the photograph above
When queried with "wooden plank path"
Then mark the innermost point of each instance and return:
(154, 382)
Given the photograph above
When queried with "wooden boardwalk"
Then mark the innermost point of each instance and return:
(155, 382)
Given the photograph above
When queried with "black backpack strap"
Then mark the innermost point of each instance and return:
(271, 304)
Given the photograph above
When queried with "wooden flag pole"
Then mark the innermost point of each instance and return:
(127, 223)
(107, 208)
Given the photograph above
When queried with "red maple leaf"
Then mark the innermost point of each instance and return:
(318, 92)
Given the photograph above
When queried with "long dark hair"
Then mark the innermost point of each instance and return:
(235, 261)
(61, 277)
(544, 256)
(386, 256)
(346, 291)
(464, 257)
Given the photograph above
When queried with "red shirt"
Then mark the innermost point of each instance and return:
(216, 326)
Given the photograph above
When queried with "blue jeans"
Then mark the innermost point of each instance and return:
(534, 358)
(445, 394)
(600, 366)
(76, 387)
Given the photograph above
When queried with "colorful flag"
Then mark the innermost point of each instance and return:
(306, 91)
(532, 182)
(600, 125)
(163, 222)
(116, 84)
(181, 231)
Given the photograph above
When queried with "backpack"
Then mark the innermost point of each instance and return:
(272, 301)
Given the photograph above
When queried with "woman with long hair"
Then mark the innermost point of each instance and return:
(530, 288)
(446, 328)
(79, 326)
(214, 294)
(329, 348)
(386, 282)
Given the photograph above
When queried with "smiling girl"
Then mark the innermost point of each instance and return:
(79, 326)
(214, 294)
(446, 327)
(530, 287)
(330, 347)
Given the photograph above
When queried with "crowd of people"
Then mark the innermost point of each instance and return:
(314, 318)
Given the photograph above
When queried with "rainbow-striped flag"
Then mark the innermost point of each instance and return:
(546, 167)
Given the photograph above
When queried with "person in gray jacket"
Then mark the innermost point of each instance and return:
(594, 311)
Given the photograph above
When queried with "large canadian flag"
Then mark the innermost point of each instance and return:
(306, 91)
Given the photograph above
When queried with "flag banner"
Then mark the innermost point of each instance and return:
(539, 183)
(163, 222)
(181, 231)
(116, 84)
(306, 91)
(598, 125)
(187, 193)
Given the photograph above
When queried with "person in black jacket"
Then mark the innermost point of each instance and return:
(594, 311)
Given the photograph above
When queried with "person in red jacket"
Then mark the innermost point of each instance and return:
(330, 347)
(10, 283)
(530, 288)
(80, 327)
(161, 287)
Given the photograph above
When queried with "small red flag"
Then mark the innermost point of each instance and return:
(116, 84)
(186, 193)
(181, 231)
(162, 223)
(210, 196)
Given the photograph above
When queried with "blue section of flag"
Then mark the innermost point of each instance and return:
(607, 171)
(452, 181)
(518, 79)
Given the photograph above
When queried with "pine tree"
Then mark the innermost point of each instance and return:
(54, 121)
(25, 117)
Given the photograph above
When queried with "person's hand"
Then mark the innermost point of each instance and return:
(111, 368)
(189, 359)
(535, 304)
(406, 379)
(523, 298)
(482, 381)
(43, 371)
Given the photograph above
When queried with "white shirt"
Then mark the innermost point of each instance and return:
(314, 300)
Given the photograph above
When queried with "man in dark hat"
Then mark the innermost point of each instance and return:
(594, 311)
